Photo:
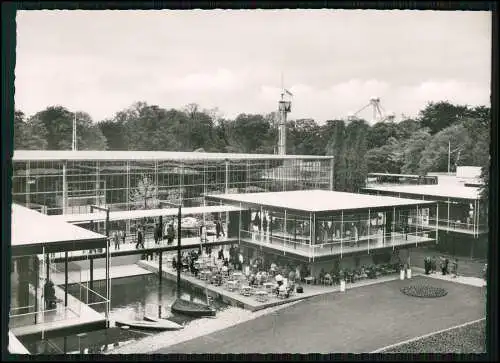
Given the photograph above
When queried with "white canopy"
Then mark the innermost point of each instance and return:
(138, 214)
(317, 200)
(31, 228)
(437, 190)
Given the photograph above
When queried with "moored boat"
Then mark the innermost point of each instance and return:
(162, 324)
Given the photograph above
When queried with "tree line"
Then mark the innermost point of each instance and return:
(412, 146)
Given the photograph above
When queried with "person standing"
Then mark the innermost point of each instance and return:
(116, 239)
(140, 237)
(170, 234)
(264, 224)
(155, 234)
(219, 230)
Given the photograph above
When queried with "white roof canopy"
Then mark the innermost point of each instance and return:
(37, 155)
(316, 200)
(439, 190)
(32, 230)
(138, 214)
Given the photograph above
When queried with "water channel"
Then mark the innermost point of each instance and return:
(132, 297)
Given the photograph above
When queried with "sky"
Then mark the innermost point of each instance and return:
(332, 61)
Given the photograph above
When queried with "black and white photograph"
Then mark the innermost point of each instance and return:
(250, 182)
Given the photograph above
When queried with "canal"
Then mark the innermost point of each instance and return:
(132, 298)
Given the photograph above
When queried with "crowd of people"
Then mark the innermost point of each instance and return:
(431, 265)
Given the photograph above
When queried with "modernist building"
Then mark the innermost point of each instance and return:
(462, 218)
(65, 182)
(319, 228)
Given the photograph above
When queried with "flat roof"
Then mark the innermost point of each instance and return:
(438, 190)
(316, 200)
(138, 214)
(31, 231)
(37, 155)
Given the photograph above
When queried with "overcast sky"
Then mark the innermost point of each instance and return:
(333, 61)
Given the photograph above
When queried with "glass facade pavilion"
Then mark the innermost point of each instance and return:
(400, 179)
(318, 225)
(34, 311)
(66, 182)
(459, 206)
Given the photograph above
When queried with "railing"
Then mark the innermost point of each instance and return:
(337, 246)
(458, 225)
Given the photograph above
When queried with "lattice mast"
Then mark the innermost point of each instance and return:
(284, 107)
(73, 143)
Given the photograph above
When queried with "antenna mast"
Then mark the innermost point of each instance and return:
(285, 106)
(73, 144)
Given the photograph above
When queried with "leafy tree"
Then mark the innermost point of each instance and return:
(58, 123)
(115, 134)
(145, 194)
(435, 156)
(412, 152)
(248, 132)
(438, 116)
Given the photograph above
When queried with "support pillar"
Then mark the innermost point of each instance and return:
(47, 261)
(65, 279)
(64, 189)
(332, 174)
(91, 269)
(160, 264)
(226, 190)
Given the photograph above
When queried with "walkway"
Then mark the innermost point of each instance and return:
(466, 280)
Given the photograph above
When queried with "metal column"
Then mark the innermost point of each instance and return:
(66, 278)
(28, 189)
(332, 174)
(437, 225)
(226, 191)
(369, 225)
(64, 189)
(179, 262)
(91, 268)
(160, 264)
(341, 231)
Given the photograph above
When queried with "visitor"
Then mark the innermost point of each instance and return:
(140, 238)
(446, 262)
(174, 263)
(202, 233)
(454, 267)
(116, 240)
(406, 230)
(49, 294)
(221, 254)
(427, 265)
(264, 223)
(170, 234)
(256, 222)
(219, 230)
(156, 234)
(433, 264)
(485, 272)
(122, 235)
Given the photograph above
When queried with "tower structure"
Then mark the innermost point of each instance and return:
(285, 106)
(73, 143)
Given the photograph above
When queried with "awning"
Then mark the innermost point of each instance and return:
(32, 232)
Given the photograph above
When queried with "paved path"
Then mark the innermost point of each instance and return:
(466, 266)
(467, 280)
(361, 320)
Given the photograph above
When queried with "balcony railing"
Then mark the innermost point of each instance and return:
(339, 246)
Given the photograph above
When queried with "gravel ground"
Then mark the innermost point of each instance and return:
(467, 339)
(197, 328)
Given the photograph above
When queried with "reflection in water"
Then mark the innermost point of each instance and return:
(132, 298)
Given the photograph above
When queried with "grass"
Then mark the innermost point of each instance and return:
(467, 339)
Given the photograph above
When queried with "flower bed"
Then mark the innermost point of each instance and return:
(424, 291)
(466, 339)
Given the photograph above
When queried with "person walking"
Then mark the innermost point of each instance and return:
(264, 224)
(122, 236)
(116, 239)
(140, 238)
(219, 229)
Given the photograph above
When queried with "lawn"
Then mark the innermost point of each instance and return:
(467, 339)
(361, 320)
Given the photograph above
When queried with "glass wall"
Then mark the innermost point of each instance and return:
(125, 185)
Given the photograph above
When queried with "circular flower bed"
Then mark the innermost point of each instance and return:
(424, 291)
